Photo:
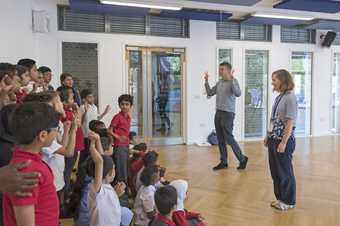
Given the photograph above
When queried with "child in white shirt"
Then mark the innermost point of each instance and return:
(103, 199)
(89, 110)
(144, 207)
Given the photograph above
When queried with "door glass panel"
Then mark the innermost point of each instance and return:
(136, 90)
(302, 72)
(166, 94)
(256, 93)
(336, 94)
(224, 55)
(155, 81)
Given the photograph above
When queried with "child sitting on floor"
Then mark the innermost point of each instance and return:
(103, 199)
(166, 200)
(144, 206)
(181, 216)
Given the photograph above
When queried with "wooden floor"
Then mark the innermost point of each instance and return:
(233, 198)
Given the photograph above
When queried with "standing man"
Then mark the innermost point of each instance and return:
(226, 90)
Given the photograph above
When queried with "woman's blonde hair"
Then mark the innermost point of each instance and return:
(286, 79)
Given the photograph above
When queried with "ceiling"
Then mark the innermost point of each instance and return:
(215, 10)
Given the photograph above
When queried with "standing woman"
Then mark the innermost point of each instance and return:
(280, 140)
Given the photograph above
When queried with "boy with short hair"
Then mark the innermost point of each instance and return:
(90, 112)
(47, 77)
(66, 80)
(35, 126)
(120, 128)
(33, 71)
(166, 201)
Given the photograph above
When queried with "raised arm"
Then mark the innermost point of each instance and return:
(107, 110)
(210, 91)
(98, 161)
(69, 141)
(235, 87)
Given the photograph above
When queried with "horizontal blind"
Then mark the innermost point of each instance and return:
(81, 60)
(161, 26)
(256, 32)
(127, 25)
(70, 20)
(228, 30)
(82, 21)
(297, 35)
(237, 31)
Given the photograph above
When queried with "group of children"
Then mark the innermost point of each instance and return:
(117, 180)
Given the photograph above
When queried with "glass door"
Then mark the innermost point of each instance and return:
(302, 72)
(256, 80)
(156, 82)
(336, 94)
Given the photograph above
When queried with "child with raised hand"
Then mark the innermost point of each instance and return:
(63, 145)
(90, 110)
(103, 199)
(181, 216)
(71, 111)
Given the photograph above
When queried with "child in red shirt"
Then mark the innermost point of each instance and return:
(181, 216)
(120, 129)
(71, 109)
(35, 125)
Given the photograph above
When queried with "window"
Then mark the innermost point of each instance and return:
(256, 76)
(228, 30)
(69, 20)
(302, 72)
(297, 35)
(81, 61)
(337, 39)
(238, 31)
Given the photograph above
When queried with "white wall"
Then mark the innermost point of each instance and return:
(201, 56)
(17, 40)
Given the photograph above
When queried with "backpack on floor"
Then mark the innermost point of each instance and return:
(212, 138)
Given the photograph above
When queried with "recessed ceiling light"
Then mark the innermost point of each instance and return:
(142, 5)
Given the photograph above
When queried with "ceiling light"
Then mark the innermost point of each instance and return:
(141, 4)
(287, 17)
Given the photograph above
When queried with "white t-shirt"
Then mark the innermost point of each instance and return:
(92, 114)
(56, 161)
(144, 203)
(104, 206)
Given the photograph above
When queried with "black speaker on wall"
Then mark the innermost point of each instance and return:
(328, 39)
